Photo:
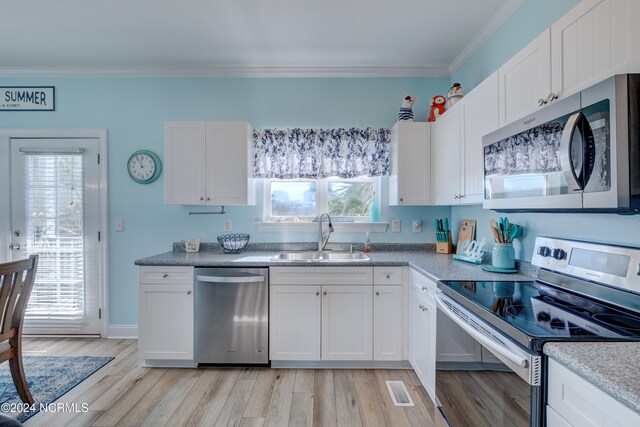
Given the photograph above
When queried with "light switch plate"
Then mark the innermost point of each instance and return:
(228, 225)
(395, 225)
(119, 224)
(417, 226)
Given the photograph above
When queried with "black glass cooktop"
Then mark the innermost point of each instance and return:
(545, 312)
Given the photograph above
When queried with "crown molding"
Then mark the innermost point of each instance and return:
(491, 26)
(258, 72)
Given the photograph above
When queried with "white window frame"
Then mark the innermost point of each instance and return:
(358, 223)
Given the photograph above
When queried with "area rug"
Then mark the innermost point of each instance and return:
(49, 377)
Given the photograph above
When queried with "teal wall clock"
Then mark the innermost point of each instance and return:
(144, 166)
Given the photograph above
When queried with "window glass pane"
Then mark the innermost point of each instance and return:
(349, 199)
(293, 199)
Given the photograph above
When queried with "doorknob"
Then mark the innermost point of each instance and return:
(17, 233)
(14, 246)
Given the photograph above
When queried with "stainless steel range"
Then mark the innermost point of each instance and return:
(583, 292)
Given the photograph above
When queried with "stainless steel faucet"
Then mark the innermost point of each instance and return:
(322, 241)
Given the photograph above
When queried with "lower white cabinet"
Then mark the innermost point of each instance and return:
(347, 326)
(165, 311)
(387, 323)
(335, 314)
(422, 327)
(574, 401)
(294, 322)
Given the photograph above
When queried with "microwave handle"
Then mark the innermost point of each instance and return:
(566, 163)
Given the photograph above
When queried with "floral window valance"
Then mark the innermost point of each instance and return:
(320, 153)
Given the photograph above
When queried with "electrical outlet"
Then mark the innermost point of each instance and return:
(417, 226)
(395, 225)
(228, 225)
(119, 224)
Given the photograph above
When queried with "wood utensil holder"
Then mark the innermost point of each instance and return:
(445, 247)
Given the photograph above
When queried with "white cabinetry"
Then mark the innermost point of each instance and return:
(445, 160)
(347, 329)
(573, 401)
(590, 43)
(294, 322)
(208, 163)
(165, 313)
(387, 313)
(323, 313)
(422, 341)
(480, 116)
(410, 179)
(525, 80)
(457, 158)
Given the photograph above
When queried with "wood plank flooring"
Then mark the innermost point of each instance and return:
(123, 393)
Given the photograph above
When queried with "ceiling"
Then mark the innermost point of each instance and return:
(216, 37)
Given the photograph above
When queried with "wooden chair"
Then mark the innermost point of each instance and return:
(16, 281)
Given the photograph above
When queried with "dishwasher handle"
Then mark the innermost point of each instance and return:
(230, 279)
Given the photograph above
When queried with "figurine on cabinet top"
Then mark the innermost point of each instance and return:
(455, 94)
(437, 107)
(406, 111)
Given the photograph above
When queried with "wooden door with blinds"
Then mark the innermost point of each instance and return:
(55, 213)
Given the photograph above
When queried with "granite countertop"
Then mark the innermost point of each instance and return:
(611, 366)
(435, 266)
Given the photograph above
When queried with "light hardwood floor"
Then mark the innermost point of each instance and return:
(123, 393)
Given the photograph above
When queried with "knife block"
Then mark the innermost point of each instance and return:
(445, 247)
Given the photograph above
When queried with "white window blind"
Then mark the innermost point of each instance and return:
(53, 198)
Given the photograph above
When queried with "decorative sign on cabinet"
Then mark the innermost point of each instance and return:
(208, 163)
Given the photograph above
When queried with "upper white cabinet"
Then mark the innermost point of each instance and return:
(480, 116)
(410, 179)
(590, 43)
(525, 80)
(445, 160)
(208, 163)
(458, 169)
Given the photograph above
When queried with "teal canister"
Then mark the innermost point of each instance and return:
(503, 256)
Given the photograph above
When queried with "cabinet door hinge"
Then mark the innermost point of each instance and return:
(98, 236)
(98, 158)
(99, 313)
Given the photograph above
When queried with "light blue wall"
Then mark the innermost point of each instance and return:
(134, 109)
(523, 26)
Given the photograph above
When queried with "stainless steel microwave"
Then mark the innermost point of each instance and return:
(581, 153)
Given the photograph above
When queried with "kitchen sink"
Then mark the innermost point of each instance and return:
(325, 256)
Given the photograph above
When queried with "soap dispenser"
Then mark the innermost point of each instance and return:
(367, 243)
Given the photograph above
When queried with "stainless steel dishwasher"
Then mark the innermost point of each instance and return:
(232, 315)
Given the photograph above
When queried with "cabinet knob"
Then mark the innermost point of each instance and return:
(317, 293)
(424, 288)
(201, 198)
(460, 196)
(552, 97)
(208, 199)
(388, 276)
(377, 292)
(165, 275)
(401, 199)
(541, 102)
(324, 293)
(188, 292)
(421, 307)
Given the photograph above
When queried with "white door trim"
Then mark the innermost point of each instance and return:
(103, 247)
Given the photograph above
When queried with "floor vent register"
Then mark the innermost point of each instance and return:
(399, 393)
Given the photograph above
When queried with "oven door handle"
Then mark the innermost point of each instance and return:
(481, 338)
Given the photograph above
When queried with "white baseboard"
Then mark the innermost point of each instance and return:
(123, 332)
